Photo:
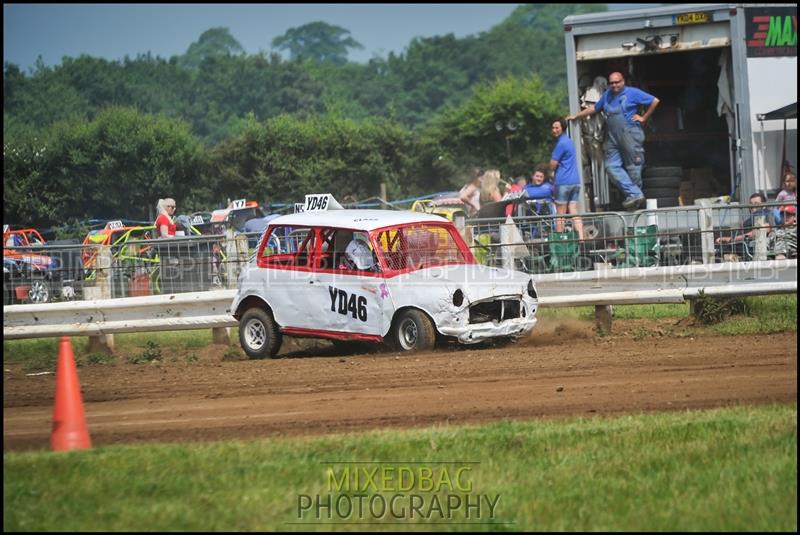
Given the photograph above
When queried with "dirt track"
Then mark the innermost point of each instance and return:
(563, 369)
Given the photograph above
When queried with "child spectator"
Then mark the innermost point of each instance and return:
(541, 189)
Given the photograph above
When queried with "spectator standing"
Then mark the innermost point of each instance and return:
(165, 224)
(789, 191)
(566, 180)
(490, 186)
(470, 194)
(624, 145)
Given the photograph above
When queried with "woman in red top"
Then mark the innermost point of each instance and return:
(165, 225)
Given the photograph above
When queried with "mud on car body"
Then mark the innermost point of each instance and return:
(413, 280)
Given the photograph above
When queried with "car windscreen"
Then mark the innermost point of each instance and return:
(419, 246)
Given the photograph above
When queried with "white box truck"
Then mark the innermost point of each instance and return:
(726, 78)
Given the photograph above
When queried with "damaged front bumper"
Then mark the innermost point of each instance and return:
(478, 332)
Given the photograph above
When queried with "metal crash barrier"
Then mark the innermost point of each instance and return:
(669, 284)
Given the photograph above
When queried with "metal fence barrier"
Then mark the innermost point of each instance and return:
(539, 244)
(704, 234)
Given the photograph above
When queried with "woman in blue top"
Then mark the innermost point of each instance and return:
(565, 177)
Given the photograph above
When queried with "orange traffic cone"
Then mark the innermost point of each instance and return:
(69, 423)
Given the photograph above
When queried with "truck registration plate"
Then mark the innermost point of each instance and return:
(690, 18)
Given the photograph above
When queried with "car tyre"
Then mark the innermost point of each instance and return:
(259, 334)
(413, 331)
(659, 193)
(652, 172)
(40, 291)
(670, 182)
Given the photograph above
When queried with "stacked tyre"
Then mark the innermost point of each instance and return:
(662, 184)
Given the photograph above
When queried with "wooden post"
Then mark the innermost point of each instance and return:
(706, 223)
(602, 318)
(103, 343)
(221, 335)
(383, 194)
(760, 223)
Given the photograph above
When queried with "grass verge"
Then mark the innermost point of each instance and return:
(726, 469)
(767, 314)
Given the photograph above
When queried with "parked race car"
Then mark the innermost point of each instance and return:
(237, 214)
(448, 207)
(135, 268)
(35, 271)
(404, 278)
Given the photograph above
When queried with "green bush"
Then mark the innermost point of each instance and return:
(711, 310)
(151, 353)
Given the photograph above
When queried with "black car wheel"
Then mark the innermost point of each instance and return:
(259, 334)
(413, 331)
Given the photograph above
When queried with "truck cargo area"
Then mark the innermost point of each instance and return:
(685, 131)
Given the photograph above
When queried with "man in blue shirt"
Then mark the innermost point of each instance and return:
(566, 180)
(624, 151)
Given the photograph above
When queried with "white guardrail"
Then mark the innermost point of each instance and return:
(202, 310)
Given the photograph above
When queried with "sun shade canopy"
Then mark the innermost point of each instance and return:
(787, 112)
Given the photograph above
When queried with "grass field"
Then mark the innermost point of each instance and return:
(725, 469)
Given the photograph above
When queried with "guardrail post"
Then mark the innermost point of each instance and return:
(221, 335)
(761, 237)
(505, 247)
(236, 249)
(512, 245)
(602, 318)
(103, 343)
(469, 237)
(706, 230)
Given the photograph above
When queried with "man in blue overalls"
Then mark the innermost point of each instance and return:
(624, 151)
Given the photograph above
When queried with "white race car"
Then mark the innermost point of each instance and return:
(377, 276)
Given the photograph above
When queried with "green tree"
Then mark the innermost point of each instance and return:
(284, 158)
(319, 41)
(476, 132)
(115, 166)
(213, 43)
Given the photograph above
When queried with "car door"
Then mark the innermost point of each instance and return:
(284, 276)
(345, 299)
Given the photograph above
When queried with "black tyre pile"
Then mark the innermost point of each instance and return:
(662, 184)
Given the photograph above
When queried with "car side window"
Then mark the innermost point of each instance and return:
(289, 246)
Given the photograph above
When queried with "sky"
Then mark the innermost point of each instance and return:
(112, 31)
